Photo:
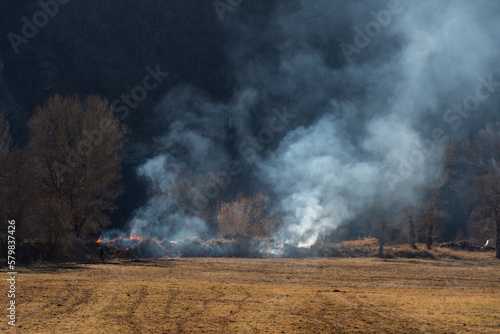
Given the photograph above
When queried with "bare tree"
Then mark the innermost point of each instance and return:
(430, 217)
(5, 139)
(246, 216)
(378, 222)
(483, 158)
(411, 226)
(75, 149)
(17, 193)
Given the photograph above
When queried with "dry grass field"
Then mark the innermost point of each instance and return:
(232, 295)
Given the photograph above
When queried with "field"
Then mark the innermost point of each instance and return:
(231, 295)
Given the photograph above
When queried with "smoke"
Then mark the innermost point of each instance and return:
(368, 125)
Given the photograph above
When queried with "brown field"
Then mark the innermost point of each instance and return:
(231, 295)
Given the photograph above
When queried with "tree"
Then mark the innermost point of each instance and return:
(411, 226)
(16, 189)
(246, 216)
(17, 193)
(430, 217)
(75, 147)
(5, 139)
(378, 215)
(483, 158)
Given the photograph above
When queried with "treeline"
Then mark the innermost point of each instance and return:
(463, 204)
(61, 187)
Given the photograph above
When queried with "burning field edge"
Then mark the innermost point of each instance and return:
(246, 247)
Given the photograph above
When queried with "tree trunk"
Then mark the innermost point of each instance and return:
(498, 239)
(380, 248)
(430, 231)
(381, 240)
(412, 232)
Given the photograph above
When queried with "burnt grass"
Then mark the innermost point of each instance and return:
(245, 247)
(31, 253)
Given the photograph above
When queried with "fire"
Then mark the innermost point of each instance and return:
(135, 237)
(273, 247)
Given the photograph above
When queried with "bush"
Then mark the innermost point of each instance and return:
(246, 216)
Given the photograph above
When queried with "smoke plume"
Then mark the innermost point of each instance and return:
(373, 90)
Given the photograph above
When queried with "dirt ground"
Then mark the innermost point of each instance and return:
(232, 295)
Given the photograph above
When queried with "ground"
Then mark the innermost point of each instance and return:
(233, 295)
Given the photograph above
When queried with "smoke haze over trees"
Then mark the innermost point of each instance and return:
(335, 111)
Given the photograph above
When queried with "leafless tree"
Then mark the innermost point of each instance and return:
(75, 149)
(411, 227)
(16, 195)
(378, 222)
(246, 216)
(483, 159)
(431, 215)
(5, 139)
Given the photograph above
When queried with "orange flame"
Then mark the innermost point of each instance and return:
(132, 237)
(135, 237)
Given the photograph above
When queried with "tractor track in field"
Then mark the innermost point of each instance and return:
(321, 313)
(108, 295)
(180, 324)
(368, 308)
(239, 308)
(84, 297)
(48, 306)
(142, 293)
(172, 295)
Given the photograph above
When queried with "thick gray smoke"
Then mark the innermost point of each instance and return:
(373, 90)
